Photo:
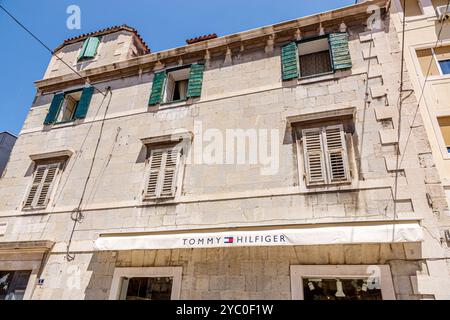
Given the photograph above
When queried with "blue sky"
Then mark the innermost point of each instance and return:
(162, 24)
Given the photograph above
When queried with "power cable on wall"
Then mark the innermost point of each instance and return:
(48, 49)
(77, 214)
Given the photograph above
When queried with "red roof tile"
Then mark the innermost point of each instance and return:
(103, 32)
(201, 38)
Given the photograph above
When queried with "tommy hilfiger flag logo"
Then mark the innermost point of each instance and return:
(229, 240)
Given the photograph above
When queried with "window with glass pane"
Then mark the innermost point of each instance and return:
(445, 66)
(157, 288)
(341, 289)
(13, 284)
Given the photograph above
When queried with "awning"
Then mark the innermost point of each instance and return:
(381, 233)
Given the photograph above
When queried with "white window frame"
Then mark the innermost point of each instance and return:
(168, 96)
(151, 272)
(326, 165)
(299, 272)
(52, 187)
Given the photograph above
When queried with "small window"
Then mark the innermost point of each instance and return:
(315, 57)
(176, 87)
(163, 172)
(155, 288)
(325, 155)
(43, 181)
(13, 284)
(69, 106)
(444, 124)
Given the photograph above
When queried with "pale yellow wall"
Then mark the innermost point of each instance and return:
(420, 35)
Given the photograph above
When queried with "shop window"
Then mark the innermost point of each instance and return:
(340, 289)
(314, 57)
(444, 124)
(342, 282)
(152, 283)
(13, 284)
(159, 288)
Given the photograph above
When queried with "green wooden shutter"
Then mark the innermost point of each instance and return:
(54, 108)
(83, 104)
(339, 51)
(157, 88)
(90, 47)
(289, 61)
(195, 80)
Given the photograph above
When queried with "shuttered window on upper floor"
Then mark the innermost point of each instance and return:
(164, 164)
(325, 155)
(315, 56)
(44, 178)
(69, 106)
(89, 49)
(178, 84)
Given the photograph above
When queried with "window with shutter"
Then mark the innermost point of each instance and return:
(336, 153)
(89, 49)
(162, 177)
(314, 157)
(39, 192)
(325, 155)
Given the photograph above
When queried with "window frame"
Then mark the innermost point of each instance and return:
(299, 272)
(150, 272)
(72, 119)
(165, 86)
(52, 186)
(310, 39)
(326, 165)
(178, 171)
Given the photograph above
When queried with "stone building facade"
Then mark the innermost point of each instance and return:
(138, 181)
(7, 141)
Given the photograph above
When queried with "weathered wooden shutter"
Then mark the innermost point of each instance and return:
(163, 173)
(289, 61)
(168, 186)
(89, 49)
(39, 175)
(157, 88)
(83, 104)
(340, 51)
(156, 162)
(42, 182)
(195, 80)
(336, 153)
(313, 150)
(47, 183)
(54, 108)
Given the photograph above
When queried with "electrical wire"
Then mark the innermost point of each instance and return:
(77, 214)
(48, 49)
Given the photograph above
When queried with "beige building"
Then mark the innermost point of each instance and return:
(259, 165)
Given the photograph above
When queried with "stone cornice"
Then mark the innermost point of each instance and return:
(281, 31)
